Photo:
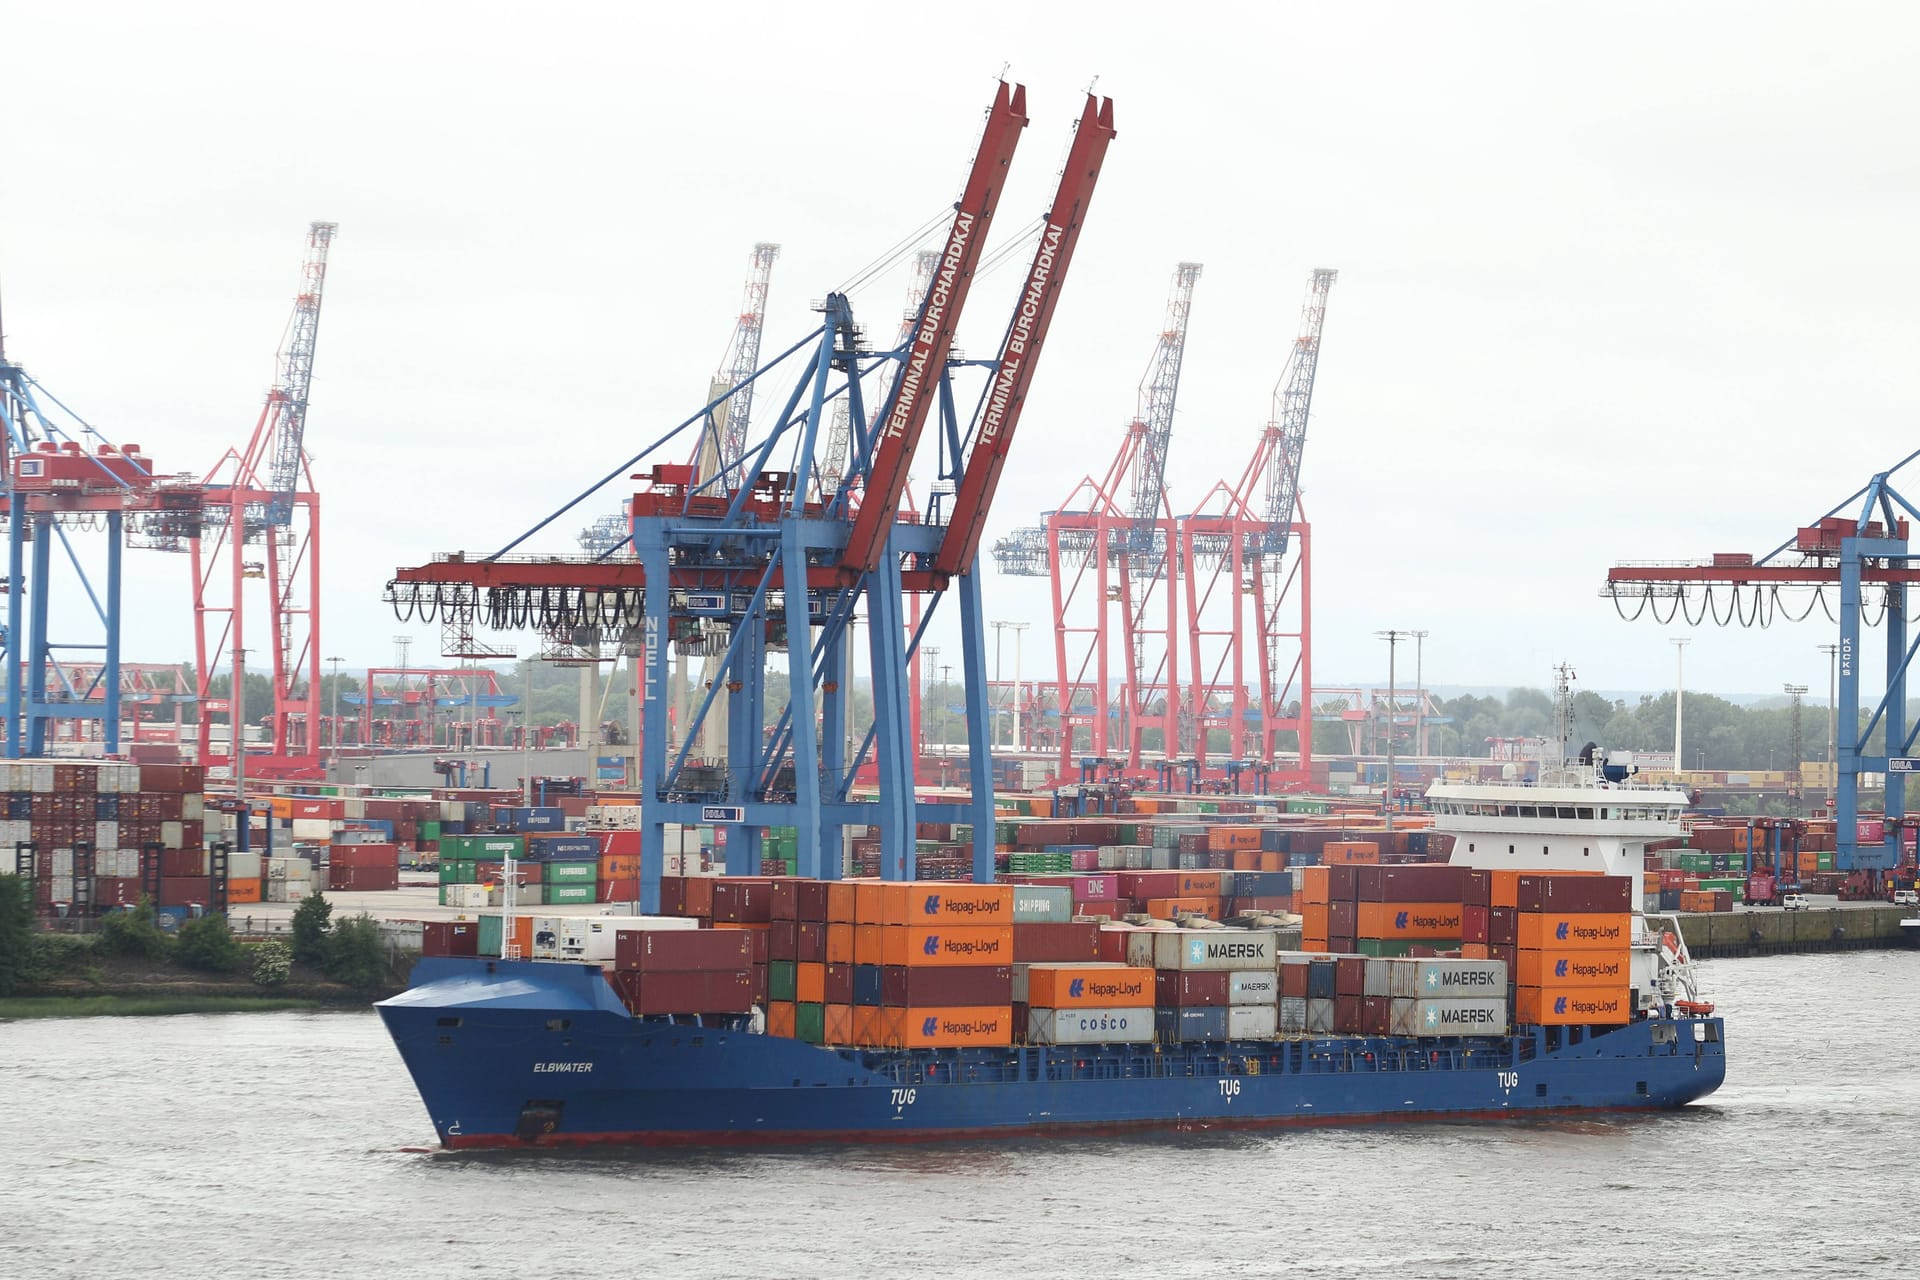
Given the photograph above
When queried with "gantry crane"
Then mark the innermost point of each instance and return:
(1106, 553)
(764, 567)
(1860, 549)
(1249, 601)
(261, 500)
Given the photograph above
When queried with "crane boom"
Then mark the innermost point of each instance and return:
(743, 354)
(290, 394)
(1020, 350)
(1158, 392)
(1292, 399)
(925, 362)
(834, 469)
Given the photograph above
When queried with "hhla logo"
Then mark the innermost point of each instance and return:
(932, 946)
(1560, 969)
(931, 1026)
(933, 904)
(1560, 931)
(1076, 988)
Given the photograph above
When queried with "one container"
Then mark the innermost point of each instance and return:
(1090, 1026)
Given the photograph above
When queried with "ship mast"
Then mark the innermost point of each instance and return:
(1563, 678)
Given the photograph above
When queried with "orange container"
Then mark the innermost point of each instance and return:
(840, 894)
(1314, 885)
(1199, 884)
(1314, 942)
(869, 902)
(522, 937)
(869, 944)
(1409, 920)
(1475, 951)
(1548, 931)
(1315, 920)
(923, 947)
(1808, 862)
(840, 944)
(1167, 908)
(839, 1019)
(948, 1028)
(1272, 860)
(940, 902)
(866, 1025)
(1069, 986)
(780, 1018)
(810, 982)
(1572, 1006)
(1351, 852)
(1220, 838)
(243, 891)
(1556, 970)
(619, 866)
(1246, 859)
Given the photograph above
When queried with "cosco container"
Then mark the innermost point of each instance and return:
(1090, 1026)
(1478, 1017)
(1253, 987)
(1416, 979)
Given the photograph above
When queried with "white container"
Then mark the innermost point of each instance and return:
(193, 807)
(1253, 986)
(1319, 1017)
(319, 830)
(1482, 1017)
(545, 936)
(63, 888)
(40, 777)
(1293, 1014)
(353, 807)
(466, 896)
(1206, 950)
(1448, 979)
(1379, 979)
(62, 863)
(1252, 1021)
(592, 938)
(1089, 1026)
(106, 835)
(243, 866)
(173, 835)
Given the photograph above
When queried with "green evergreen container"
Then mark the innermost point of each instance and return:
(454, 872)
(570, 872)
(780, 984)
(490, 848)
(555, 895)
(810, 1023)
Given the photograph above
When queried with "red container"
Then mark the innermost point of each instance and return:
(172, 777)
(740, 900)
(1343, 919)
(1176, 990)
(1113, 945)
(1293, 981)
(1348, 1013)
(1376, 1015)
(1103, 908)
(783, 940)
(839, 984)
(903, 987)
(1574, 895)
(1053, 943)
(1476, 889)
(1350, 976)
(672, 991)
(683, 950)
(1141, 885)
(1343, 883)
(1503, 927)
(364, 855)
(450, 938)
(623, 890)
(365, 880)
(180, 891)
(673, 896)
(1474, 922)
(183, 862)
(810, 945)
(1418, 883)
(796, 899)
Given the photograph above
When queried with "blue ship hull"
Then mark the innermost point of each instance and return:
(512, 1053)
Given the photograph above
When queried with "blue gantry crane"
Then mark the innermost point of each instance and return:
(761, 566)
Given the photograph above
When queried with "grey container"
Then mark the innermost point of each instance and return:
(1319, 1017)
(1481, 1017)
(1089, 1026)
(1293, 1015)
(1446, 979)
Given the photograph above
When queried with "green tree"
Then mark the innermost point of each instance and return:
(311, 922)
(132, 932)
(207, 943)
(356, 956)
(16, 931)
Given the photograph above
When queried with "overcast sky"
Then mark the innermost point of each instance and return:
(1620, 282)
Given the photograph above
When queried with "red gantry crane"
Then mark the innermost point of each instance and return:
(1106, 552)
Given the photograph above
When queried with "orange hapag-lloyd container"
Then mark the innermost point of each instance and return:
(948, 1028)
(1550, 931)
(1559, 969)
(944, 902)
(933, 946)
(1199, 884)
(1166, 908)
(1572, 1006)
(1409, 920)
(1067, 986)
(619, 866)
(243, 891)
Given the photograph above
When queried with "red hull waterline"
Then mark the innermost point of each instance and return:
(817, 1137)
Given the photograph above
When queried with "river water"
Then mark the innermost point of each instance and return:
(292, 1144)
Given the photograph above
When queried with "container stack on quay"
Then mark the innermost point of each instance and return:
(1723, 861)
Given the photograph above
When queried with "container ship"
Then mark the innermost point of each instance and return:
(1521, 977)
